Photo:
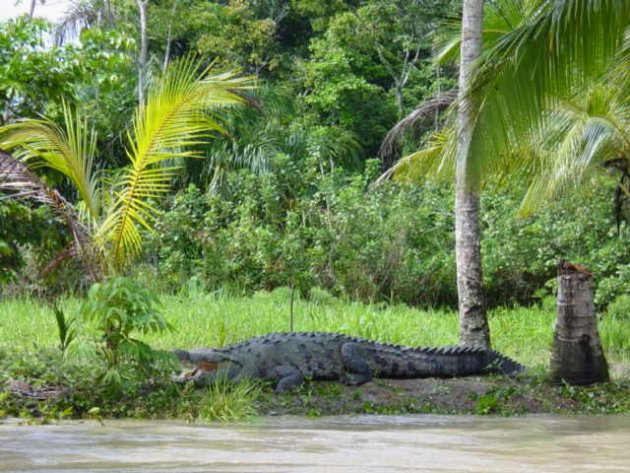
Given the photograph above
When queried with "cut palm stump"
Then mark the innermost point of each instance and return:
(577, 356)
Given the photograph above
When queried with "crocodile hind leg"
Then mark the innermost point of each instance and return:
(357, 369)
(288, 377)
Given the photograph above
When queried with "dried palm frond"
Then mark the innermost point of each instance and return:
(17, 181)
(426, 109)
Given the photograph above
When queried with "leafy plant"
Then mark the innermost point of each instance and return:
(67, 333)
(106, 222)
(119, 307)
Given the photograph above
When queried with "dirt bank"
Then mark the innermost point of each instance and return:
(471, 395)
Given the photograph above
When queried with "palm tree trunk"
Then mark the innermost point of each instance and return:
(577, 356)
(472, 313)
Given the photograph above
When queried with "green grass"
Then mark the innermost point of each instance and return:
(215, 320)
(224, 401)
(29, 352)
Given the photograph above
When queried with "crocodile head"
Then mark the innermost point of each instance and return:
(205, 366)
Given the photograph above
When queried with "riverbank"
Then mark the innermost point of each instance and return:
(471, 395)
(488, 395)
(40, 382)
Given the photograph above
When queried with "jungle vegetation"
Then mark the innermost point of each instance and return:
(235, 145)
(266, 165)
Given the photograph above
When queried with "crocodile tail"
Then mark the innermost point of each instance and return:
(502, 364)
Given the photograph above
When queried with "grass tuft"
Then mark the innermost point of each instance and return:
(229, 402)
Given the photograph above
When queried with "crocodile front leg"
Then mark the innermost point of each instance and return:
(288, 377)
(357, 369)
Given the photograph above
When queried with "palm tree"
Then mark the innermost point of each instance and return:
(473, 321)
(548, 111)
(555, 56)
(500, 17)
(81, 14)
(112, 210)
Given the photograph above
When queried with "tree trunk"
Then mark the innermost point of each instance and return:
(142, 56)
(399, 100)
(473, 322)
(577, 356)
(167, 49)
(31, 11)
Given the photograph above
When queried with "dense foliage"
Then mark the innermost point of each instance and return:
(392, 243)
(284, 198)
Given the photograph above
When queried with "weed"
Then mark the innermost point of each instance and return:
(496, 401)
(65, 329)
(224, 401)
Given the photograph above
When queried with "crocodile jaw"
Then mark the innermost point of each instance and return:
(196, 371)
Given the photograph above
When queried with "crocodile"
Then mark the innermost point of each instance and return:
(286, 359)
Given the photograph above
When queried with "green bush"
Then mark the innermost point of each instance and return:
(520, 255)
(120, 306)
(393, 243)
(29, 235)
(298, 227)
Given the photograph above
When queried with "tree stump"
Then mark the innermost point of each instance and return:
(577, 356)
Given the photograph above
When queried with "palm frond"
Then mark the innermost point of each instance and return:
(178, 115)
(19, 182)
(425, 109)
(82, 14)
(562, 48)
(69, 150)
(579, 136)
(436, 159)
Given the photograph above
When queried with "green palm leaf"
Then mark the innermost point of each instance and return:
(177, 116)
(19, 182)
(69, 149)
(436, 159)
(563, 48)
(579, 137)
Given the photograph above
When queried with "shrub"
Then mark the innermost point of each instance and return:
(120, 306)
(299, 227)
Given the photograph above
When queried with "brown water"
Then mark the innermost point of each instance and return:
(339, 444)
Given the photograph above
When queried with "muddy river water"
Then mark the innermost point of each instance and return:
(334, 444)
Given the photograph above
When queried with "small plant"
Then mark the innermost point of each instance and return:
(496, 401)
(65, 329)
(225, 401)
(488, 403)
(120, 306)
